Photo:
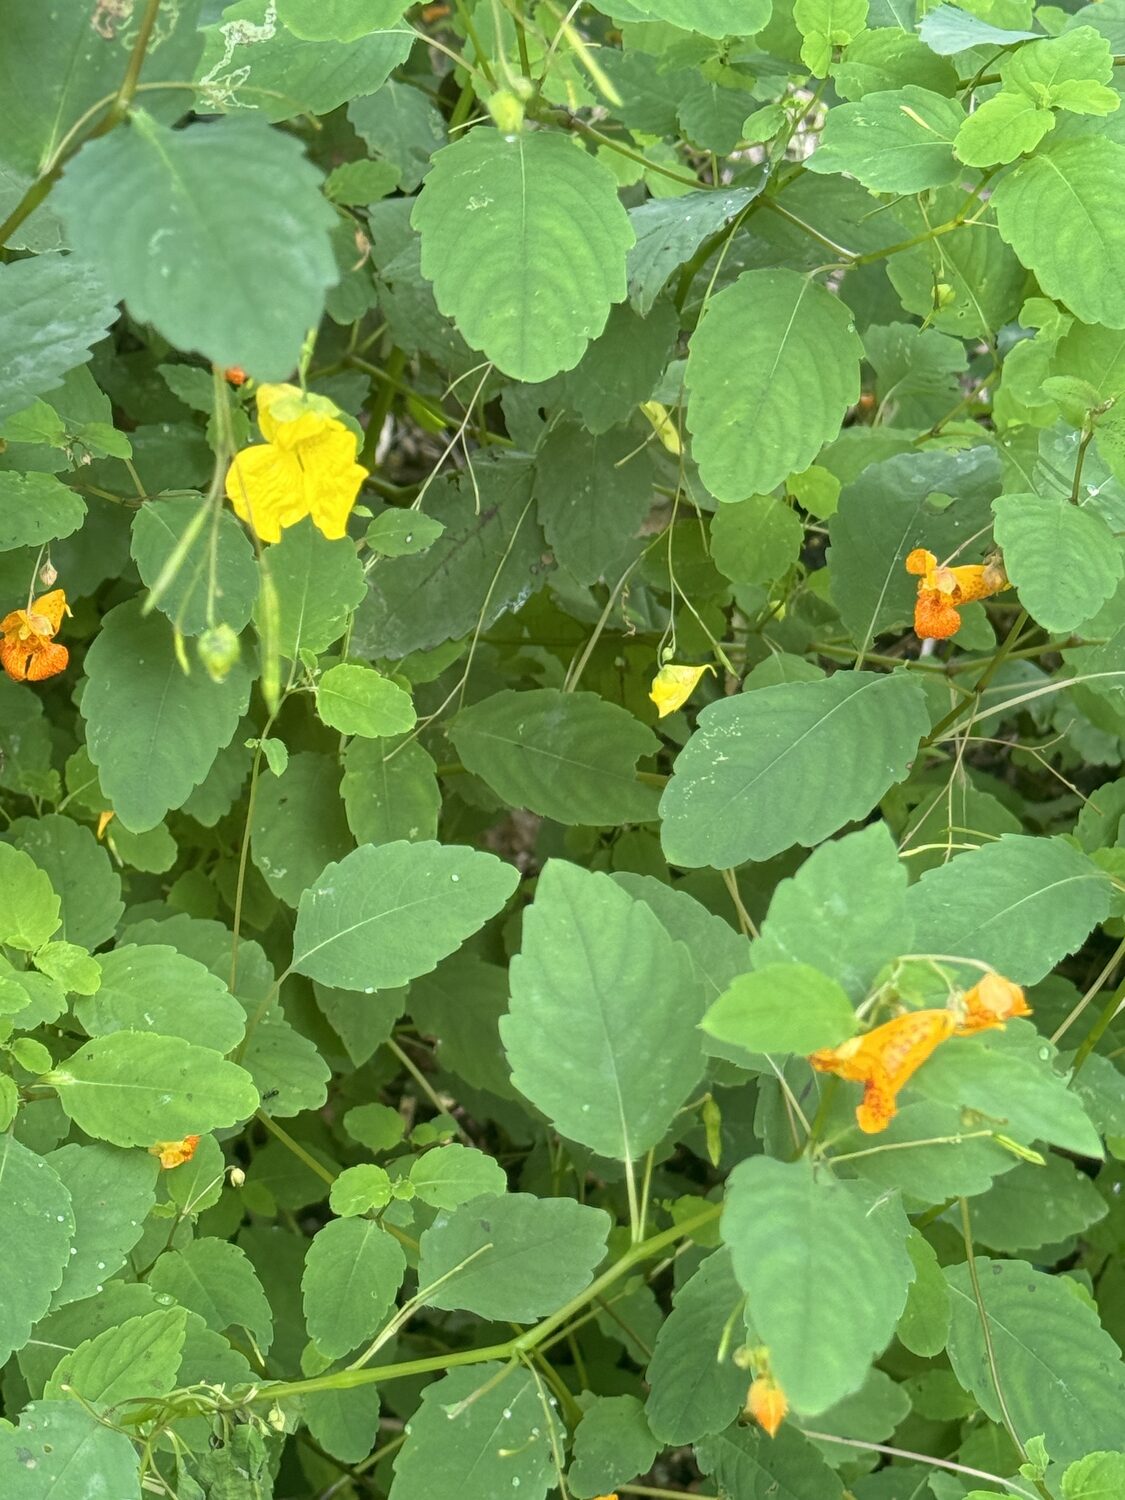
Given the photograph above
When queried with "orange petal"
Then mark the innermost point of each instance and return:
(175, 1153)
(935, 618)
(47, 660)
(885, 1059)
(51, 607)
(766, 1403)
(920, 562)
(991, 1002)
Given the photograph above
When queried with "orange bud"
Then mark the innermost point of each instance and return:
(235, 375)
(991, 1002)
(766, 1403)
(175, 1153)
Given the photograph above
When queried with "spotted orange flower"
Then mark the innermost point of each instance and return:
(175, 1153)
(766, 1403)
(28, 650)
(886, 1058)
(942, 590)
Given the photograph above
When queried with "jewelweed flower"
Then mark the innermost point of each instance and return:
(306, 466)
(28, 650)
(887, 1057)
(941, 590)
(236, 375)
(175, 1153)
(766, 1403)
(673, 686)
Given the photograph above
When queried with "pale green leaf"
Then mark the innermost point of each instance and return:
(390, 792)
(214, 1279)
(895, 141)
(53, 309)
(947, 30)
(717, 18)
(152, 732)
(133, 1089)
(1098, 1476)
(29, 907)
(344, 1422)
(718, 951)
(451, 1175)
(338, 20)
(601, 1035)
(784, 1007)
(288, 1070)
(384, 914)
(402, 533)
(534, 312)
(399, 124)
(788, 765)
(1060, 1372)
(352, 1274)
(612, 1445)
(1062, 558)
(140, 1357)
(772, 369)
(152, 987)
(825, 25)
(220, 558)
(358, 700)
(692, 1391)
(318, 582)
(756, 541)
(1003, 127)
(825, 1270)
(37, 1221)
(359, 1189)
(80, 872)
(36, 508)
(111, 1192)
(567, 756)
(66, 1445)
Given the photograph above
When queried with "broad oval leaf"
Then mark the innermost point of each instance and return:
(385, 914)
(894, 141)
(53, 310)
(149, 986)
(692, 1391)
(66, 1446)
(139, 1357)
(1062, 558)
(773, 367)
(781, 1008)
(111, 1192)
(524, 240)
(789, 765)
(36, 508)
(352, 1274)
(37, 1221)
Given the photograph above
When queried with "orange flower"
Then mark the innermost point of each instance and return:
(175, 1153)
(990, 1002)
(942, 590)
(235, 375)
(28, 652)
(766, 1403)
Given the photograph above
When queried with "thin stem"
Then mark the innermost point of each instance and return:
(1091, 993)
(295, 1146)
(424, 1084)
(922, 1458)
(745, 921)
(1100, 1027)
(128, 88)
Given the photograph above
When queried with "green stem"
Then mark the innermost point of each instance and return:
(121, 103)
(389, 382)
(1100, 1026)
(998, 656)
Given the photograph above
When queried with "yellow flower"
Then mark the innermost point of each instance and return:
(175, 1153)
(28, 651)
(305, 467)
(673, 686)
(767, 1404)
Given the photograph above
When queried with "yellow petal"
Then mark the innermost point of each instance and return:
(276, 404)
(266, 487)
(673, 686)
(332, 476)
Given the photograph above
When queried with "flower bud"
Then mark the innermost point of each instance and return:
(218, 651)
(506, 110)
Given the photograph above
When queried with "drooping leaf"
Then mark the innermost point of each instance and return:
(601, 1034)
(38, 1223)
(318, 583)
(788, 765)
(533, 314)
(692, 1391)
(111, 1192)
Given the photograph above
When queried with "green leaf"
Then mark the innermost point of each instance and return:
(844, 911)
(593, 493)
(772, 369)
(1055, 210)
(513, 1257)
(38, 1226)
(756, 541)
(319, 583)
(601, 1035)
(79, 870)
(359, 1189)
(220, 558)
(111, 1192)
(948, 30)
(670, 230)
(782, 1007)
(612, 1445)
(788, 765)
(825, 1315)
(133, 1089)
(1020, 904)
(53, 309)
(358, 700)
(298, 825)
(152, 987)
(747, 1461)
(66, 1446)
(1098, 1476)
(718, 18)
(1033, 1206)
(402, 533)
(532, 313)
(399, 123)
(924, 1325)
(1061, 557)
(338, 20)
(718, 952)
(345, 1423)
(152, 732)
(29, 907)
(1054, 66)
(825, 25)
(352, 1274)
(897, 141)
(215, 1280)
(202, 210)
(390, 792)
(1003, 127)
(1060, 1372)
(692, 1391)
(383, 915)
(567, 756)
(621, 368)
(461, 1004)
(288, 1071)
(451, 1175)
(71, 967)
(452, 1447)
(140, 1357)
(36, 508)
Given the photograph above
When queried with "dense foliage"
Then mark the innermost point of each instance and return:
(562, 869)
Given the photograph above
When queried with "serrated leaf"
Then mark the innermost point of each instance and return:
(1036, 1205)
(298, 825)
(756, 541)
(80, 872)
(948, 30)
(1098, 1476)
(692, 1391)
(512, 1258)
(221, 558)
(783, 1007)
(825, 25)
(151, 986)
(288, 1071)
(593, 493)
(896, 141)
(532, 315)
(1003, 127)
(201, 210)
(53, 309)
(319, 583)
(36, 508)
(133, 1089)
(66, 1445)
(924, 1325)
(140, 1357)
(399, 123)
(358, 700)
(601, 1034)
(1060, 1372)
(352, 1274)
(29, 907)
(152, 732)
(567, 756)
(38, 1226)
(216, 1280)
(402, 533)
(788, 765)
(824, 1323)
(111, 1192)
(1020, 904)
(670, 230)
(1061, 557)
(773, 367)
(390, 792)
(1055, 210)
(622, 366)
(746, 1460)
(383, 915)
(451, 1175)
(612, 1445)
